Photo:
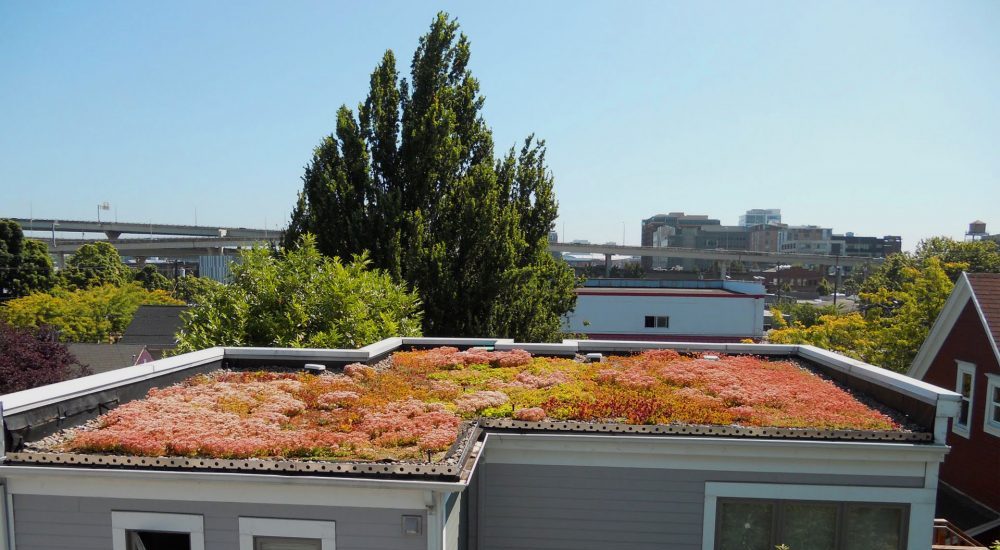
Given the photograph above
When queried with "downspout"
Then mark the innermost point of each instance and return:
(6, 520)
(434, 504)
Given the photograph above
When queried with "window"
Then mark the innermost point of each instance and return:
(749, 524)
(748, 516)
(991, 424)
(657, 321)
(286, 534)
(157, 531)
(965, 385)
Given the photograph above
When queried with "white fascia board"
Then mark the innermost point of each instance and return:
(722, 454)
(918, 389)
(222, 487)
(17, 402)
(429, 341)
(942, 327)
(304, 354)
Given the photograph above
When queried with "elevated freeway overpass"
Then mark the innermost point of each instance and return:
(181, 247)
(718, 255)
(114, 230)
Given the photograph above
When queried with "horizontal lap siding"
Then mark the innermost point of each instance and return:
(69, 523)
(581, 508)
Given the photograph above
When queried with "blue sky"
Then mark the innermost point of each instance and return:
(872, 117)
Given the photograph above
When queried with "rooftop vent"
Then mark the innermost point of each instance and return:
(314, 368)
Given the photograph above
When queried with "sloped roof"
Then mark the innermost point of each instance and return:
(106, 357)
(983, 290)
(986, 288)
(154, 326)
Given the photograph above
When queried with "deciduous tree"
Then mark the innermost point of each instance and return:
(95, 264)
(413, 179)
(33, 357)
(299, 298)
(98, 314)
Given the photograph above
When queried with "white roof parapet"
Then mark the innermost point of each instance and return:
(14, 403)
(900, 382)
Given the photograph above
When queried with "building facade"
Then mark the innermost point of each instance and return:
(760, 216)
(510, 484)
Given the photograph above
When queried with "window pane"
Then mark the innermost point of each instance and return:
(873, 528)
(809, 526)
(157, 540)
(745, 526)
(286, 543)
(649, 321)
(662, 322)
(963, 414)
(965, 388)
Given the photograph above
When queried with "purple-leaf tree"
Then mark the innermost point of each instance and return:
(31, 358)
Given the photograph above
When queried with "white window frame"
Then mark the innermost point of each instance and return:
(991, 426)
(963, 368)
(121, 522)
(921, 503)
(325, 531)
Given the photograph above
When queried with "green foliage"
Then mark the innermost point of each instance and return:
(190, 289)
(805, 314)
(896, 320)
(824, 288)
(413, 180)
(151, 279)
(959, 256)
(95, 264)
(300, 298)
(25, 265)
(96, 314)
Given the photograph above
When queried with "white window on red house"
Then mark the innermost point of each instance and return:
(991, 423)
(965, 385)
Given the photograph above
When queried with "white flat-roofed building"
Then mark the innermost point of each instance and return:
(705, 311)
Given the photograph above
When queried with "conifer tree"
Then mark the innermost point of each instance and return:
(413, 180)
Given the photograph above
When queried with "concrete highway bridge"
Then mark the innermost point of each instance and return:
(719, 255)
(114, 230)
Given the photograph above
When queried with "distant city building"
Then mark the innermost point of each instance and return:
(678, 221)
(760, 216)
(665, 310)
(850, 244)
(766, 237)
(807, 239)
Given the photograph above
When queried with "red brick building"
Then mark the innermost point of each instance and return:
(961, 354)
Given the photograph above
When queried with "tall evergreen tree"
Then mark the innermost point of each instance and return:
(414, 180)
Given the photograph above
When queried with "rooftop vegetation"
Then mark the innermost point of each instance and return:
(412, 409)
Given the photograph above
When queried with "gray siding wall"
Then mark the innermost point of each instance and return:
(67, 523)
(579, 508)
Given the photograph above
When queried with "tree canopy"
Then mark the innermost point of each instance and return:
(98, 314)
(412, 178)
(895, 317)
(299, 298)
(95, 264)
(25, 265)
(33, 357)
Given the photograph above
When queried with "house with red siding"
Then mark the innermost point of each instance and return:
(961, 354)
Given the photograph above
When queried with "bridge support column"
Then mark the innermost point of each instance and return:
(61, 260)
(112, 235)
(722, 270)
(607, 265)
(140, 261)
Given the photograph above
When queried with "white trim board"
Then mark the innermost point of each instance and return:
(121, 522)
(241, 488)
(325, 531)
(921, 501)
(722, 454)
(992, 384)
